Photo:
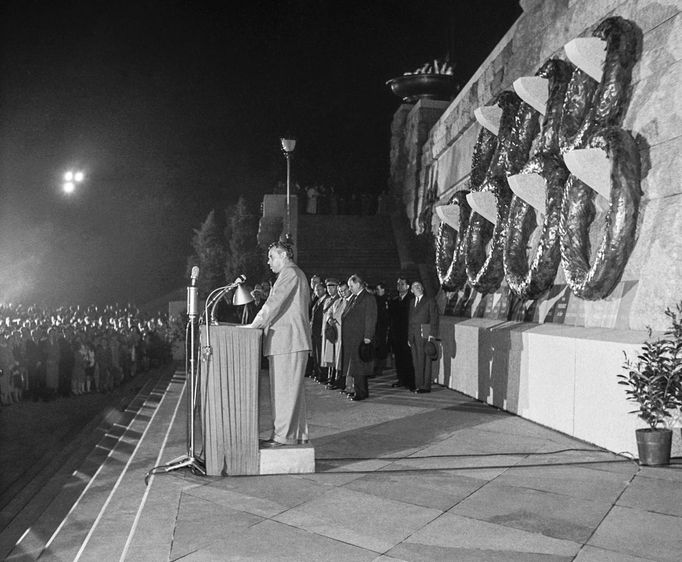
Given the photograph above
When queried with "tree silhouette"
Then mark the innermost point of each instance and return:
(210, 253)
(244, 255)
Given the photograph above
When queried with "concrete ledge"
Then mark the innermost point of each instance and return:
(287, 460)
(563, 377)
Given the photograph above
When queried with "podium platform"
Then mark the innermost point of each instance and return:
(229, 408)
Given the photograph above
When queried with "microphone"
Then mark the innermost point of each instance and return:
(194, 276)
(193, 295)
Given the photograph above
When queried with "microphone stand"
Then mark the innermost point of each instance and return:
(189, 460)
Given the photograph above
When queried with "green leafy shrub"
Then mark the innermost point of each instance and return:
(654, 380)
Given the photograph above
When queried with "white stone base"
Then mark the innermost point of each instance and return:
(287, 460)
(563, 377)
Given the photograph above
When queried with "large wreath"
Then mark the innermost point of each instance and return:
(518, 127)
(596, 281)
(450, 244)
(590, 106)
(450, 247)
(529, 282)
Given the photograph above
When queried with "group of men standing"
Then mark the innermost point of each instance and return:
(353, 329)
(413, 321)
(343, 333)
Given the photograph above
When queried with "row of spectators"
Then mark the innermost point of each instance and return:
(66, 351)
(326, 200)
(356, 327)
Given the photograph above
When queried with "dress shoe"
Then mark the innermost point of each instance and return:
(397, 385)
(271, 444)
(422, 391)
(355, 398)
(302, 441)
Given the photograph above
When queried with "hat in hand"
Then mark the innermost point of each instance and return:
(431, 350)
(366, 352)
(331, 332)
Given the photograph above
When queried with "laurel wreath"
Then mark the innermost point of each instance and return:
(580, 113)
(526, 281)
(597, 280)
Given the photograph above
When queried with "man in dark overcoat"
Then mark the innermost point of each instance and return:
(399, 310)
(358, 324)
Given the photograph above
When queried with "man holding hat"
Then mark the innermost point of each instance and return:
(330, 332)
(422, 329)
(358, 325)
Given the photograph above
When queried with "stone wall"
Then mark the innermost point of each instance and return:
(652, 278)
(556, 359)
(410, 131)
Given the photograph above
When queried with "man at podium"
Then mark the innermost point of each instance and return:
(287, 344)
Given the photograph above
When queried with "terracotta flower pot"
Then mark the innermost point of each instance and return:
(654, 446)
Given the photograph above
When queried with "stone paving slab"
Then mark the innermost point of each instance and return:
(365, 520)
(397, 477)
(457, 537)
(640, 533)
(550, 514)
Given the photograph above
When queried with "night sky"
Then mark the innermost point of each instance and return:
(176, 108)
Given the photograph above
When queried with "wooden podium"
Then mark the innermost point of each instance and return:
(229, 399)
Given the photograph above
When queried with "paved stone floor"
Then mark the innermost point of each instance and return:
(398, 477)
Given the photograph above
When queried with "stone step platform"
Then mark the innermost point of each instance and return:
(112, 507)
(338, 246)
(68, 500)
(400, 476)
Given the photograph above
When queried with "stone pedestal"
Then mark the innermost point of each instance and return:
(287, 460)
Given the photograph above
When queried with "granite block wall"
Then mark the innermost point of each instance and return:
(654, 118)
(555, 362)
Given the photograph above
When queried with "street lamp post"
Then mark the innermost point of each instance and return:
(288, 146)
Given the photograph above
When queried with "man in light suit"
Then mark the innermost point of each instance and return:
(287, 343)
(423, 318)
(357, 325)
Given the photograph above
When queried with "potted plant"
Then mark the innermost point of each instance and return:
(654, 380)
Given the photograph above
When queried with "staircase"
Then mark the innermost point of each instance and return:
(65, 511)
(340, 245)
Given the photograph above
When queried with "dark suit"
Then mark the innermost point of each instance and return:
(357, 324)
(425, 312)
(399, 310)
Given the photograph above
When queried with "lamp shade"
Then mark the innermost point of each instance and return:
(288, 145)
(242, 295)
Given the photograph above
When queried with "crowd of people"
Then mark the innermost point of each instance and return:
(46, 353)
(320, 199)
(356, 328)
